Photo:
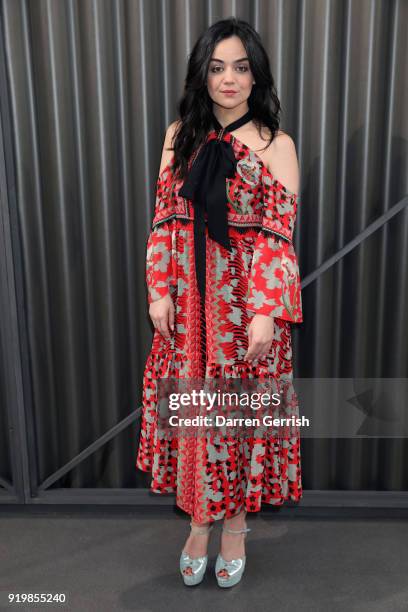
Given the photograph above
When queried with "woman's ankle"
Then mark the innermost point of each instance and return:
(193, 522)
(237, 520)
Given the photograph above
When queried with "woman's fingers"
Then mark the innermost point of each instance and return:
(257, 350)
(162, 326)
(162, 315)
(171, 317)
(260, 337)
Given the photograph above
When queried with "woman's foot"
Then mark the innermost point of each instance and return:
(196, 544)
(233, 544)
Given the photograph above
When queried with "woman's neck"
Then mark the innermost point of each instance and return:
(226, 116)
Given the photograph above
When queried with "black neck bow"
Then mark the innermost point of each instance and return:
(205, 185)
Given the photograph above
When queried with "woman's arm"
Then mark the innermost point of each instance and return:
(160, 264)
(274, 283)
(159, 261)
(168, 144)
(282, 162)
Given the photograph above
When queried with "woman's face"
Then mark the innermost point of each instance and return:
(229, 71)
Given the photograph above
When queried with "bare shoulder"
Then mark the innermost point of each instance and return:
(281, 159)
(171, 132)
(167, 152)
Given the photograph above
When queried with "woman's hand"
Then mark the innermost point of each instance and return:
(161, 313)
(260, 336)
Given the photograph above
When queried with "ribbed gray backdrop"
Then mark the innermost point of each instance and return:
(88, 89)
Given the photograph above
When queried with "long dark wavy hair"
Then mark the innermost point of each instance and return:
(195, 105)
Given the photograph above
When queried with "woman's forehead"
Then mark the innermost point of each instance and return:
(230, 49)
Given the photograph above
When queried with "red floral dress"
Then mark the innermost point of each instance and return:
(215, 479)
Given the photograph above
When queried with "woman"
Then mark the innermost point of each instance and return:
(223, 288)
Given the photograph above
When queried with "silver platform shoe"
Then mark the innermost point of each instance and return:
(198, 565)
(234, 568)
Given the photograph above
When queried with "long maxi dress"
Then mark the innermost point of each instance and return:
(259, 275)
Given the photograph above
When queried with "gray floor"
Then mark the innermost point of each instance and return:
(129, 561)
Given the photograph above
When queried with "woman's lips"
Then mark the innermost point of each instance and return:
(229, 93)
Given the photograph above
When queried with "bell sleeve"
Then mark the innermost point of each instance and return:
(161, 247)
(274, 281)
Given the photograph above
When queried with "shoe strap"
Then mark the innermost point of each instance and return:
(196, 529)
(245, 530)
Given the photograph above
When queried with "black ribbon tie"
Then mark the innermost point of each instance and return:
(205, 185)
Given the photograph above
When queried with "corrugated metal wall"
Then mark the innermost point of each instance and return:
(89, 87)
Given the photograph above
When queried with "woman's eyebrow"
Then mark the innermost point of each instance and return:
(214, 59)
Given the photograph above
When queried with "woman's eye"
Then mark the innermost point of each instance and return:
(240, 68)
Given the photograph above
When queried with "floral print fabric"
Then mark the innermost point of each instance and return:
(215, 477)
